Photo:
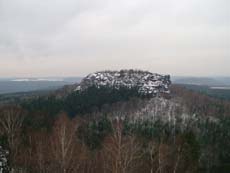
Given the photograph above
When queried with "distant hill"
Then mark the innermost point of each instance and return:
(206, 81)
(15, 85)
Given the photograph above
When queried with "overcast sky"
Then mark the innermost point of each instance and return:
(76, 37)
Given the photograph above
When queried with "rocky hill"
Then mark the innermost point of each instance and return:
(146, 82)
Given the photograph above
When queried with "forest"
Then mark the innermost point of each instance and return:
(107, 130)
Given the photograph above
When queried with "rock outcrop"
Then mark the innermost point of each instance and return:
(146, 82)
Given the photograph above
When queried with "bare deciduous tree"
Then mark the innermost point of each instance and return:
(11, 119)
(64, 144)
(121, 151)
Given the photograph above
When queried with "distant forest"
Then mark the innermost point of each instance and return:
(215, 93)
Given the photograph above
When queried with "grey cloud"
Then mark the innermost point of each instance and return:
(74, 37)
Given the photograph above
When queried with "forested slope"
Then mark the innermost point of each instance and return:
(117, 130)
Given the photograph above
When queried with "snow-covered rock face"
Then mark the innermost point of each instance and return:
(146, 82)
